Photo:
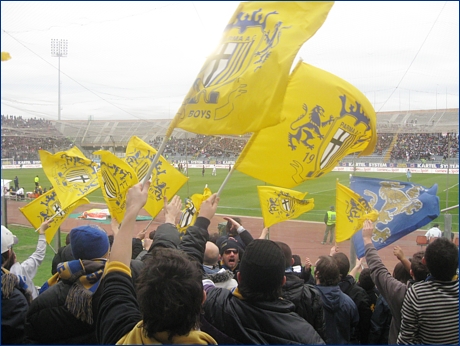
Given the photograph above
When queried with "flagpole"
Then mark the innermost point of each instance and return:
(157, 156)
(225, 181)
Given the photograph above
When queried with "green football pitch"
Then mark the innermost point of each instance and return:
(239, 195)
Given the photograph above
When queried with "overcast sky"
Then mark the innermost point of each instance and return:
(137, 60)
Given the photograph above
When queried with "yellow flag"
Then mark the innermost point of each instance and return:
(352, 210)
(166, 180)
(326, 119)
(280, 204)
(115, 178)
(241, 86)
(6, 56)
(71, 173)
(45, 207)
(192, 208)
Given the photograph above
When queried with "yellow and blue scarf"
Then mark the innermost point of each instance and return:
(85, 277)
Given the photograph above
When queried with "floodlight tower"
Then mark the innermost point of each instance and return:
(59, 50)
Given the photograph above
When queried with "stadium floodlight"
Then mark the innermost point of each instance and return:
(59, 50)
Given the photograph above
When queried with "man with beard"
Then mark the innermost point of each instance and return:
(230, 252)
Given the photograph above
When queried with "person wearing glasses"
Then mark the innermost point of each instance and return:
(230, 252)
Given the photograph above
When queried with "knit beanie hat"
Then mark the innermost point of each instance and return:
(89, 242)
(229, 244)
(262, 267)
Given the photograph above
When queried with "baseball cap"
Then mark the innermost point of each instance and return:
(8, 239)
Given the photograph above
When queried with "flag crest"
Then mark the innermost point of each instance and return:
(326, 119)
(403, 207)
(280, 204)
(71, 174)
(241, 86)
(166, 180)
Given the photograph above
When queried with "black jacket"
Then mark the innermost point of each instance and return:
(307, 300)
(64, 254)
(270, 322)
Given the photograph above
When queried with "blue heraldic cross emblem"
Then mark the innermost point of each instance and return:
(402, 206)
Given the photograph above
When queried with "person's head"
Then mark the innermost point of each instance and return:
(365, 280)
(261, 274)
(441, 258)
(8, 255)
(419, 271)
(342, 263)
(67, 239)
(89, 242)
(400, 273)
(436, 225)
(211, 254)
(297, 260)
(326, 271)
(213, 237)
(288, 261)
(170, 293)
(230, 253)
(332, 208)
(152, 234)
(230, 229)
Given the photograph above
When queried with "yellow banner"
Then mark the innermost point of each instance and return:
(280, 204)
(326, 119)
(115, 178)
(352, 210)
(47, 206)
(166, 180)
(192, 209)
(72, 175)
(241, 86)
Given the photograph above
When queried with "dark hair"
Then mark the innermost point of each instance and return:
(436, 225)
(111, 237)
(152, 234)
(170, 293)
(327, 271)
(67, 239)
(441, 257)
(8, 259)
(213, 237)
(287, 253)
(229, 225)
(343, 263)
(297, 261)
(419, 270)
(365, 279)
(400, 273)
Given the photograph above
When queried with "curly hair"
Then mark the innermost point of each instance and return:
(419, 270)
(327, 271)
(170, 293)
(441, 257)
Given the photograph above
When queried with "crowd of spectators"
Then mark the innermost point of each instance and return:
(22, 138)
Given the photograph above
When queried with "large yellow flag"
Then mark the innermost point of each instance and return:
(326, 119)
(71, 173)
(115, 178)
(192, 209)
(48, 206)
(352, 210)
(280, 204)
(241, 86)
(166, 180)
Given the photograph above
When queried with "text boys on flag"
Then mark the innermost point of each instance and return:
(166, 180)
(280, 204)
(403, 207)
(326, 119)
(352, 210)
(192, 209)
(115, 179)
(48, 206)
(71, 174)
(241, 86)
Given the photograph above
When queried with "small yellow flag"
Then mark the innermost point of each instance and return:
(326, 119)
(352, 210)
(71, 174)
(116, 177)
(192, 209)
(280, 204)
(166, 179)
(48, 206)
(241, 86)
(6, 56)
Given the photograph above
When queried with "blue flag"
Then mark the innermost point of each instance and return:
(403, 207)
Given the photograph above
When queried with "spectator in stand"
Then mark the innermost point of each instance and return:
(433, 232)
(27, 269)
(64, 254)
(429, 312)
(365, 281)
(221, 277)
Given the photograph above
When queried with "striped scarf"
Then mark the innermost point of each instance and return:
(11, 281)
(85, 277)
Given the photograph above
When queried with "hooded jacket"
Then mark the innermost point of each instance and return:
(341, 315)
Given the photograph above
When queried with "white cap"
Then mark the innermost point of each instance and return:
(8, 239)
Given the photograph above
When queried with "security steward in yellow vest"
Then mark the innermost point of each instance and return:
(329, 220)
